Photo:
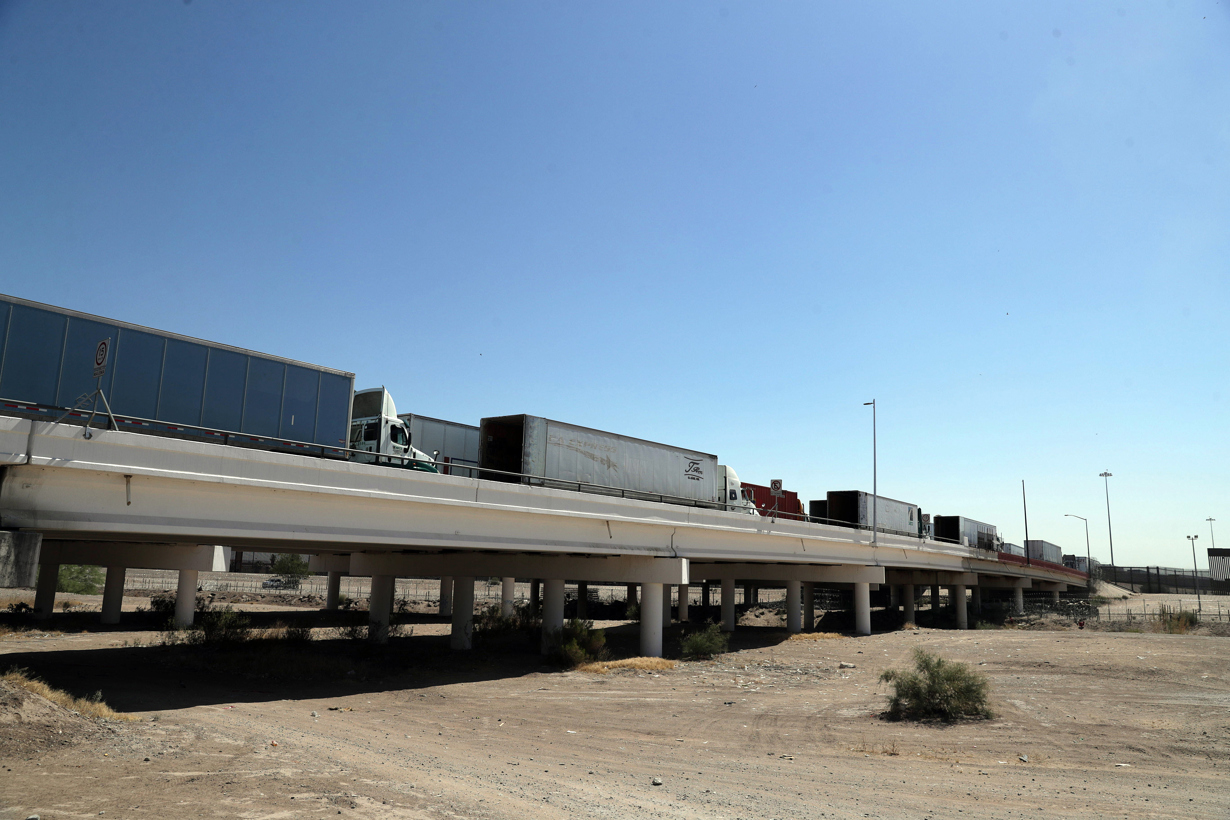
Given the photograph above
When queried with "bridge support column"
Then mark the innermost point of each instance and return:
(535, 595)
(894, 596)
(552, 612)
(809, 606)
(862, 608)
(977, 602)
(463, 613)
(1054, 596)
(728, 604)
(380, 608)
(666, 605)
(113, 596)
(651, 620)
(1018, 600)
(935, 600)
(45, 591)
(957, 591)
(684, 592)
(704, 594)
(631, 597)
(333, 590)
(185, 597)
(794, 606)
(446, 595)
(582, 600)
(907, 603)
(508, 596)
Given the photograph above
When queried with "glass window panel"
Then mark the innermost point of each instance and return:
(32, 360)
(224, 382)
(183, 382)
(263, 400)
(78, 374)
(333, 412)
(299, 403)
(138, 370)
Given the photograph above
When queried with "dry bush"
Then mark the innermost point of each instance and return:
(704, 643)
(937, 689)
(816, 636)
(89, 707)
(640, 664)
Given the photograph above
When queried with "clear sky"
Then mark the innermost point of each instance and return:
(719, 225)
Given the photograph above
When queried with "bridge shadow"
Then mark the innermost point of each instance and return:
(147, 675)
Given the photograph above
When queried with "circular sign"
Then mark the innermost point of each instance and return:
(100, 354)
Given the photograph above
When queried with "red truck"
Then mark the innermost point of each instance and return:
(787, 506)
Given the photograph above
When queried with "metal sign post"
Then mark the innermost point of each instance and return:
(101, 353)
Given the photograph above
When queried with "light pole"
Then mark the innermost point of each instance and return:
(1106, 476)
(875, 490)
(1195, 572)
(1212, 542)
(1088, 558)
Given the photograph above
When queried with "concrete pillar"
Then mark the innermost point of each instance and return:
(651, 620)
(977, 602)
(666, 605)
(631, 598)
(704, 595)
(957, 591)
(45, 592)
(809, 606)
(535, 595)
(113, 595)
(684, 593)
(794, 606)
(508, 597)
(583, 600)
(1054, 596)
(1018, 600)
(935, 600)
(333, 590)
(728, 604)
(894, 595)
(907, 602)
(446, 596)
(379, 608)
(185, 597)
(463, 612)
(552, 611)
(862, 608)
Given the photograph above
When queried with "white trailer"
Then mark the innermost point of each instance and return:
(453, 445)
(535, 450)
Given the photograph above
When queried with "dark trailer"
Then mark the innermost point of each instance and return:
(960, 530)
(164, 383)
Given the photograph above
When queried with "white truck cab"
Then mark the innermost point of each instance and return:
(376, 429)
(731, 493)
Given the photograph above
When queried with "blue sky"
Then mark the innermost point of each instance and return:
(723, 226)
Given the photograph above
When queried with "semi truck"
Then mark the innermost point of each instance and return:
(378, 435)
(853, 508)
(542, 452)
(787, 505)
(966, 531)
(63, 365)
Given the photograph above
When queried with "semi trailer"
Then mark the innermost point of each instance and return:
(853, 508)
(957, 529)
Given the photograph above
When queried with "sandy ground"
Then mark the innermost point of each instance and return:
(1089, 724)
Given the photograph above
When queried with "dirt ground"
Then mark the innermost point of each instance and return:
(1088, 724)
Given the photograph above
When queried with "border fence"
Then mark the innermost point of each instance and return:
(1171, 580)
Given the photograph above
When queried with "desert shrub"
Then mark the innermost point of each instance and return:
(1177, 622)
(632, 611)
(20, 608)
(490, 623)
(225, 625)
(92, 706)
(936, 689)
(704, 643)
(345, 602)
(298, 634)
(291, 568)
(576, 643)
(162, 604)
(79, 579)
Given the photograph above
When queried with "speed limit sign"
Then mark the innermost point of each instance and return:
(100, 357)
(775, 488)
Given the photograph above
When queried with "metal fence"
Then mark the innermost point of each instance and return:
(1172, 580)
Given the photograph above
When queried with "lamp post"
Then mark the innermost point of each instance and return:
(1195, 572)
(1088, 558)
(1212, 542)
(1106, 476)
(875, 490)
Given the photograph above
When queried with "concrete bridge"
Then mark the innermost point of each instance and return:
(122, 499)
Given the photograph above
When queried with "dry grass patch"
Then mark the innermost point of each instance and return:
(816, 636)
(88, 707)
(640, 664)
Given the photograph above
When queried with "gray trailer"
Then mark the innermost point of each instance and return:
(1044, 551)
(167, 384)
(539, 451)
(853, 508)
(453, 445)
(958, 529)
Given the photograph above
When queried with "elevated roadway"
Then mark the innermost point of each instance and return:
(123, 499)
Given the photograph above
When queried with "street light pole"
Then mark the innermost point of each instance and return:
(1195, 572)
(1212, 542)
(1106, 476)
(1088, 557)
(875, 490)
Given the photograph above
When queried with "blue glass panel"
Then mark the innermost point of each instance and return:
(224, 381)
(183, 382)
(262, 404)
(32, 360)
(299, 403)
(334, 409)
(138, 371)
(78, 374)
